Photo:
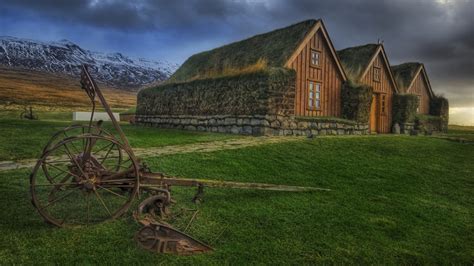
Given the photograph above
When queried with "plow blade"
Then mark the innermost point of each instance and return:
(161, 238)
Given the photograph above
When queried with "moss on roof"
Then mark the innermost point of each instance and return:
(405, 73)
(274, 47)
(355, 60)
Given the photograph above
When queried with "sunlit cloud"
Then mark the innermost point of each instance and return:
(461, 116)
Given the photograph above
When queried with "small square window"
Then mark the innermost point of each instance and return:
(315, 57)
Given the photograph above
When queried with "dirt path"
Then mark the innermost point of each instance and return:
(230, 144)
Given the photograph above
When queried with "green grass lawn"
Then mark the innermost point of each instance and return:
(462, 132)
(394, 200)
(21, 139)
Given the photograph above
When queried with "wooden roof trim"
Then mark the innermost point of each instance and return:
(423, 70)
(309, 35)
(387, 65)
(333, 51)
(301, 46)
(414, 78)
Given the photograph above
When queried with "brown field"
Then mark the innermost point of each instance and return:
(52, 92)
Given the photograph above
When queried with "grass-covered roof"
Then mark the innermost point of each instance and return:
(355, 60)
(405, 73)
(273, 48)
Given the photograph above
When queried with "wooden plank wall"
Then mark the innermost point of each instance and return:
(420, 88)
(328, 75)
(385, 86)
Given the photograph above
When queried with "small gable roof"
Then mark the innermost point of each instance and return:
(356, 61)
(276, 47)
(406, 73)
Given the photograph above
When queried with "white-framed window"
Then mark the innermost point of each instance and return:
(314, 95)
(315, 58)
(377, 71)
(310, 95)
(317, 99)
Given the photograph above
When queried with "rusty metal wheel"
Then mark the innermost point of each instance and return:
(71, 131)
(83, 180)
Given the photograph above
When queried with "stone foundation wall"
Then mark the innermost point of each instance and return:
(407, 128)
(254, 125)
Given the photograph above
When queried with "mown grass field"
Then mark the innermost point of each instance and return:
(394, 200)
(21, 139)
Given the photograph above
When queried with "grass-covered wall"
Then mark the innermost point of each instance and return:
(404, 108)
(439, 106)
(267, 91)
(355, 101)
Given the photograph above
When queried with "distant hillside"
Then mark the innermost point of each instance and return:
(47, 91)
(65, 57)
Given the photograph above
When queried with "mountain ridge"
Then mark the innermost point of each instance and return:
(66, 57)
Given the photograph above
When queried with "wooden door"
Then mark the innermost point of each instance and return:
(373, 115)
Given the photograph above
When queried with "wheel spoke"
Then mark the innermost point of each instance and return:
(112, 192)
(54, 177)
(74, 160)
(107, 154)
(116, 180)
(57, 199)
(55, 184)
(72, 143)
(102, 201)
(88, 202)
(103, 148)
(52, 165)
(61, 161)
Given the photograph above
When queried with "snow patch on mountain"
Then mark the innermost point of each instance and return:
(66, 57)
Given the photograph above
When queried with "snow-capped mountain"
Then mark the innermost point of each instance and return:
(66, 57)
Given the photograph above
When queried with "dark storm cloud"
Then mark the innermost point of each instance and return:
(439, 33)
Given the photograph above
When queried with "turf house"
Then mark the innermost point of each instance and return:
(290, 81)
(412, 78)
(284, 82)
(368, 65)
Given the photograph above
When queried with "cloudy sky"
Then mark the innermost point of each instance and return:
(439, 33)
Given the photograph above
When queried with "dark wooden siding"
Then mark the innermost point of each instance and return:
(327, 74)
(382, 87)
(420, 88)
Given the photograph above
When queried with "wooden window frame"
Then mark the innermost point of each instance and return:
(319, 52)
(383, 104)
(379, 77)
(313, 107)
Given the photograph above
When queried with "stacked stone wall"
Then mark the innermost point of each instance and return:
(255, 125)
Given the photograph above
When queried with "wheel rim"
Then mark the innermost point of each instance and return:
(74, 130)
(70, 186)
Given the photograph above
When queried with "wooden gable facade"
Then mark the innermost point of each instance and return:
(373, 69)
(319, 75)
(379, 76)
(412, 78)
